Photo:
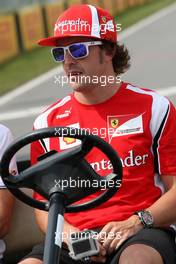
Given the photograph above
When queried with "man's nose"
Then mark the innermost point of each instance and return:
(68, 58)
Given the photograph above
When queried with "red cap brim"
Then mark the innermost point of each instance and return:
(54, 41)
(50, 41)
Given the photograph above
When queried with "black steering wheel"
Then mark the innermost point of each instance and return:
(53, 167)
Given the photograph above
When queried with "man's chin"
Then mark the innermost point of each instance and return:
(79, 87)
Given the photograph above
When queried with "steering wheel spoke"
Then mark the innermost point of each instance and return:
(87, 146)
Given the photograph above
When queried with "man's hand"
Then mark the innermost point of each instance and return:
(114, 234)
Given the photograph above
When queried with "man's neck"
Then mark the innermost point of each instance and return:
(98, 94)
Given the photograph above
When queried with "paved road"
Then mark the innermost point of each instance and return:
(152, 48)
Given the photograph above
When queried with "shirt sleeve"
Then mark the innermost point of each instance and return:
(165, 143)
(5, 139)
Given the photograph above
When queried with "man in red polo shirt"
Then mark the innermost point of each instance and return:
(138, 123)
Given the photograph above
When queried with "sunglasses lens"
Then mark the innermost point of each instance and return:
(78, 50)
(58, 54)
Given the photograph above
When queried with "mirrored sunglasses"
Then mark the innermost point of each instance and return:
(76, 50)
